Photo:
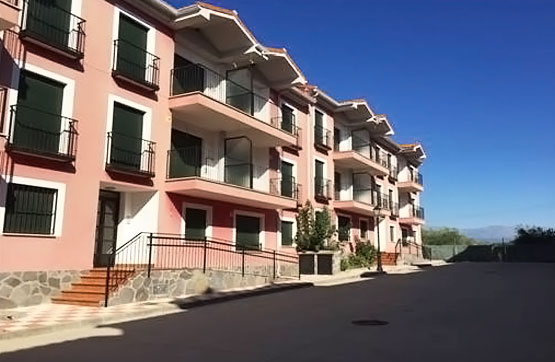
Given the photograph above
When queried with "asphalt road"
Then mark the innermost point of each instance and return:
(466, 312)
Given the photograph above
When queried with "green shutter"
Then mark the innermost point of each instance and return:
(195, 224)
(287, 122)
(132, 43)
(318, 127)
(287, 179)
(286, 233)
(30, 210)
(319, 178)
(127, 129)
(38, 118)
(247, 232)
(186, 155)
(49, 20)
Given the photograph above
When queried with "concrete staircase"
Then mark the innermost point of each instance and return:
(90, 291)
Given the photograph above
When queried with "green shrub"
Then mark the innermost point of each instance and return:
(364, 256)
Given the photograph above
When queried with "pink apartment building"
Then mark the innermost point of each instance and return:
(122, 119)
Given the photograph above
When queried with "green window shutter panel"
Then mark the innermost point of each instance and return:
(318, 127)
(49, 20)
(30, 209)
(186, 155)
(187, 77)
(195, 224)
(287, 122)
(287, 180)
(39, 108)
(247, 232)
(286, 233)
(132, 46)
(127, 130)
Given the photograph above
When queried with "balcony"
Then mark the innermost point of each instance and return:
(322, 138)
(41, 134)
(130, 155)
(233, 182)
(412, 182)
(364, 201)
(9, 14)
(323, 189)
(136, 66)
(215, 103)
(53, 28)
(412, 215)
(362, 157)
(393, 172)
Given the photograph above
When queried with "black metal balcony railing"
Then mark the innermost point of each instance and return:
(41, 133)
(287, 124)
(322, 137)
(136, 65)
(130, 155)
(394, 207)
(53, 26)
(3, 103)
(366, 149)
(393, 172)
(198, 78)
(417, 212)
(286, 187)
(188, 162)
(322, 188)
(382, 201)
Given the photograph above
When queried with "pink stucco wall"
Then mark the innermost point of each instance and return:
(93, 83)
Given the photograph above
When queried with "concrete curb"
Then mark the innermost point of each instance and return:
(160, 308)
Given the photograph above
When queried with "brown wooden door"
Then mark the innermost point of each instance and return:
(106, 227)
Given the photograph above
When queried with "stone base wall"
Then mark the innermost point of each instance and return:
(23, 289)
(175, 283)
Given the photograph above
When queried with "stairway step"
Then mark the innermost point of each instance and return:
(79, 297)
(76, 302)
(83, 290)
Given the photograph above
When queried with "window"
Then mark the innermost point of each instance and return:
(132, 43)
(344, 228)
(319, 184)
(52, 23)
(247, 230)
(288, 119)
(319, 128)
(30, 210)
(336, 138)
(185, 155)
(126, 141)
(363, 229)
(287, 233)
(337, 185)
(38, 114)
(392, 234)
(287, 179)
(195, 224)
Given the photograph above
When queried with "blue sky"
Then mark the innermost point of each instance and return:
(473, 80)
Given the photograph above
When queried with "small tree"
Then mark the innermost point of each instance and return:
(323, 230)
(313, 229)
(305, 224)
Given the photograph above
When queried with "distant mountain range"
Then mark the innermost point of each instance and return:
(490, 234)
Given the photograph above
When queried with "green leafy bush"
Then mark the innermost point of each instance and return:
(364, 256)
(445, 236)
(314, 230)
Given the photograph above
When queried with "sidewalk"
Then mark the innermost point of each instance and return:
(50, 318)
(356, 275)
